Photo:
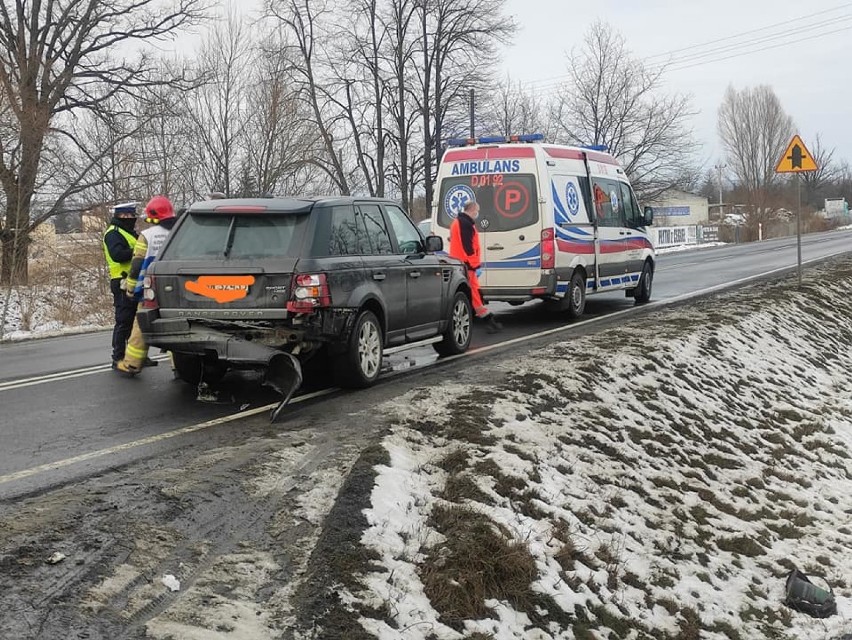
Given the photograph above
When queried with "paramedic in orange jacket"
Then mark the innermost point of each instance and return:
(464, 245)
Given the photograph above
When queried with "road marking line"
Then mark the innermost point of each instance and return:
(61, 375)
(59, 464)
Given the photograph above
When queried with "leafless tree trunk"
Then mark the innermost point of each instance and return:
(614, 99)
(300, 20)
(457, 35)
(218, 108)
(279, 137)
(755, 131)
(55, 58)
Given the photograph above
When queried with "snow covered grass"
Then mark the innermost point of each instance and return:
(68, 292)
(690, 247)
(656, 480)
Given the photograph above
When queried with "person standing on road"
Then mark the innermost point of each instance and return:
(160, 213)
(119, 241)
(464, 245)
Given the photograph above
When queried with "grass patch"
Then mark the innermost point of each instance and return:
(742, 545)
(477, 562)
(461, 487)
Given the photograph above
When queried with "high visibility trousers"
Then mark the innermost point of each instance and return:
(137, 349)
(479, 308)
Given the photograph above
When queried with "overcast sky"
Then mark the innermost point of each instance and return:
(812, 78)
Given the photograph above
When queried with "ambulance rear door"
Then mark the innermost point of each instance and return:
(504, 181)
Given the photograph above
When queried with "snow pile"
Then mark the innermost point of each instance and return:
(657, 480)
(690, 247)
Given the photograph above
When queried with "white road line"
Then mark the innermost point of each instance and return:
(9, 385)
(59, 464)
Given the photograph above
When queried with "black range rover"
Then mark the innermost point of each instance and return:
(271, 283)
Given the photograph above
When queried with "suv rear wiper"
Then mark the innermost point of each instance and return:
(230, 242)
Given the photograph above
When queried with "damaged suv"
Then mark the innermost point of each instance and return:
(270, 283)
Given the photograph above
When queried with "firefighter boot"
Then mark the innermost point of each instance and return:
(126, 370)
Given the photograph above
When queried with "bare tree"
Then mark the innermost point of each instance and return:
(456, 35)
(816, 182)
(613, 99)
(301, 23)
(755, 130)
(218, 108)
(57, 58)
(279, 137)
(512, 110)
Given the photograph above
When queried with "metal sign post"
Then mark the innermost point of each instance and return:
(797, 159)
(799, 226)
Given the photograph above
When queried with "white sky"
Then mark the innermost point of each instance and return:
(811, 77)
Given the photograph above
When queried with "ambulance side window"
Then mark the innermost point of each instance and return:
(608, 202)
(631, 209)
(587, 197)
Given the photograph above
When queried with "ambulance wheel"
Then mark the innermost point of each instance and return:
(458, 333)
(361, 362)
(646, 281)
(194, 369)
(575, 297)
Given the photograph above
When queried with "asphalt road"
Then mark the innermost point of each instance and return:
(64, 414)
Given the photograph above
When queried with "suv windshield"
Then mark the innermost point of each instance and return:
(252, 236)
(506, 201)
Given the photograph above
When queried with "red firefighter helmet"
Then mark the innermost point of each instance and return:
(159, 208)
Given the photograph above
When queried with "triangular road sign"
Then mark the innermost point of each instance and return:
(796, 158)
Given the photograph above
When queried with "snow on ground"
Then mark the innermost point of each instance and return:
(657, 480)
(46, 311)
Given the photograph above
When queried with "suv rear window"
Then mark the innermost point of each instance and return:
(506, 201)
(254, 236)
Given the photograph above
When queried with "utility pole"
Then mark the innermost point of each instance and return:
(719, 168)
(472, 132)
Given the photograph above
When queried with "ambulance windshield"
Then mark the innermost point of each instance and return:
(506, 201)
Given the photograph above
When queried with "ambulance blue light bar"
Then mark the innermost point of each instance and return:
(466, 142)
(596, 147)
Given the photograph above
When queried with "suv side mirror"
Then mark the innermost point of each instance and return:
(434, 244)
(648, 218)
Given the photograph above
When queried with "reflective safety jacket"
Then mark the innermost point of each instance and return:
(464, 241)
(118, 246)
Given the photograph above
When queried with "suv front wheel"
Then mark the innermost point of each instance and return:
(457, 334)
(360, 364)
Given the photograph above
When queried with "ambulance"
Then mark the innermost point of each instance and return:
(556, 223)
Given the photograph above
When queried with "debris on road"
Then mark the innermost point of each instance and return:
(56, 558)
(171, 582)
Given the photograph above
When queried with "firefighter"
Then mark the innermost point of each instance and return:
(464, 245)
(119, 241)
(160, 213)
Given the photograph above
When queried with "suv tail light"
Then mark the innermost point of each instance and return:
(149, 296)
(310, 292)
(548, 249)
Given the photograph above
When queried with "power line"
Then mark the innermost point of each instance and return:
(689, 64)
(750, 31)
(767, 48)
(557, 80)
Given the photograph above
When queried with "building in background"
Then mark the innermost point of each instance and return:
(676, 208)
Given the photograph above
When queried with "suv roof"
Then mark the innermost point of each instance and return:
(277, 204)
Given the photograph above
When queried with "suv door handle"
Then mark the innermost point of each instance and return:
(414, 274)
(379, 276)
(495, 247)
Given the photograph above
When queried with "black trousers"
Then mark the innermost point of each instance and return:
(125, 311)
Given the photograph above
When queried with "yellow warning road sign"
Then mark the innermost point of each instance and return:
(796, 158)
